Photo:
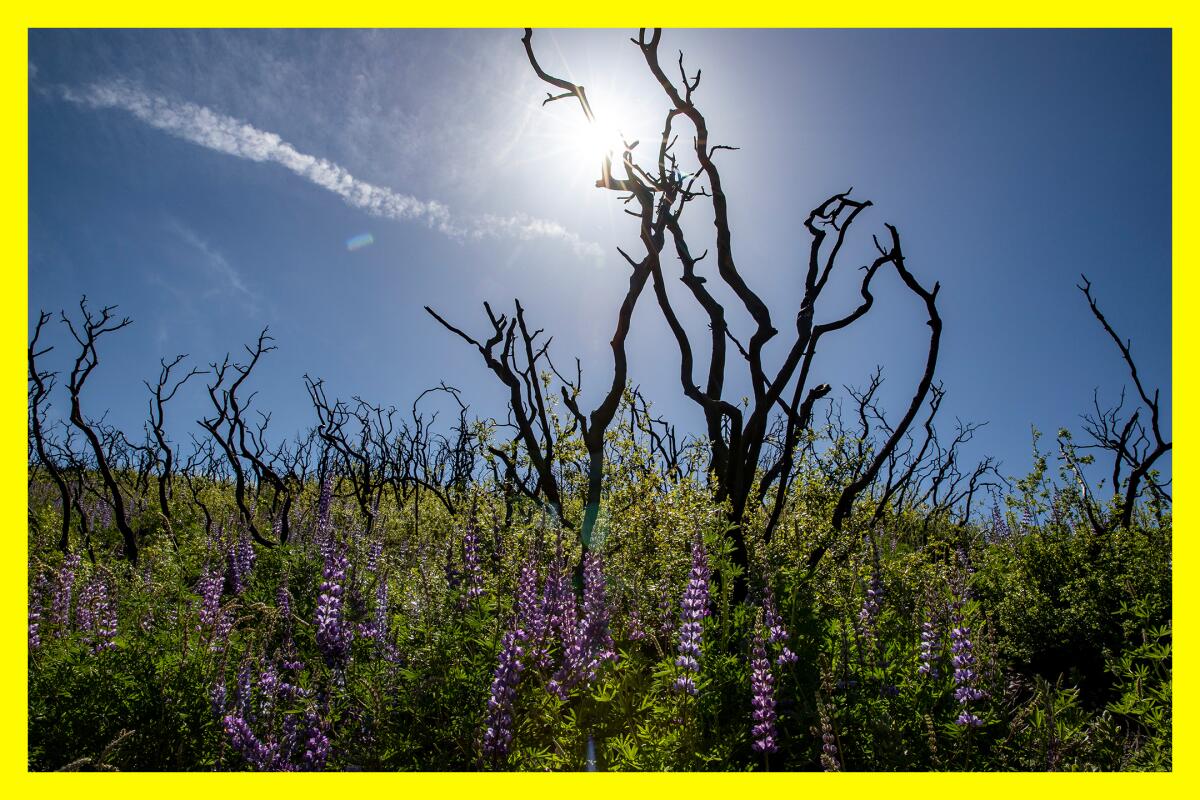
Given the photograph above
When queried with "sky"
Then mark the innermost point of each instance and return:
(329, 184)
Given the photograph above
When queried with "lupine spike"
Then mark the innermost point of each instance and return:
(762, 688)
(333, 634)
(694, 608)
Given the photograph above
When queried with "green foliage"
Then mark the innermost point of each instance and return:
(1070, 630)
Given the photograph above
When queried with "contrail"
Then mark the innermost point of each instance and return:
(224, 134)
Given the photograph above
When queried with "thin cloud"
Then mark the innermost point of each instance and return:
(226, 276)
(224, 134)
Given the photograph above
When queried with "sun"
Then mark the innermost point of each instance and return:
(598, 139)
(589, 142)
(583, 139)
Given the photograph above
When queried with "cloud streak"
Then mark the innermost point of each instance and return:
(225, 276)
(224, 134)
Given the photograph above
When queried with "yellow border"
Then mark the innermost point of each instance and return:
(866, 13)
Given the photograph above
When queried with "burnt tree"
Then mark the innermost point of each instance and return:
(1130, 443)
(42, 384)
(89, 330)
(164, 456)
(738, 437)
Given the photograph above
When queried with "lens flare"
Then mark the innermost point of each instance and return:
(359, 242)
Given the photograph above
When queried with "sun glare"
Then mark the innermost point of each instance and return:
(590, 141)
(599, 138)
(581, 144)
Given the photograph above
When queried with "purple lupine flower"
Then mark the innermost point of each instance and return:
(316, 744)
(260, 755)
(377, 628)
(563, 624)
(95, 615)
(217, 697)
(243, 692)
(762, 688)
(283, 602)
(268, 690)
(666, 617)
(374, 553)
(324, 532)
(102, 515)
(963, 654)
(471, 563)
(595, 633)
(498, 735)
(333, 634)
(829, 751)
(36, 600)
(965, 570)
(240, 559)
(267, 702)
(212, 616)
(694, 608)
(221, 630)
(930, 645)
(870, 606)
(636, 628)
(558, 597)
(106, 618)
(60, 603)
(530, 610)
(777, 633)
(1000, 529)
(209, 587)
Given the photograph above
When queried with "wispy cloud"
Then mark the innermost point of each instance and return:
(225, 278)
(224, 134)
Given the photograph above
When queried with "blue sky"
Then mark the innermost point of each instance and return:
(208, 182)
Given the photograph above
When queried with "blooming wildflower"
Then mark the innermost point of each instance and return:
(283, 602)
(217, 696)
(694, 608)
(497, 738)
(829, 751)
(209, 588)
(930, 645)
(324, 531)
(265, 724)
(598, 641)
(762, 699)
(316, 745)
(95, 615)
(333, 634)
(60, 603)
(870, 607)
(558, 598)
(777, 633)
(374, 553)
(637, 629)
(666, 617)
(36, 598)
(1000, 529)
(258, 754)
(531, 610)
(240, 559)
(563, 624)
(106, 620)
(962, 650)
(221, 630)
(471, 564)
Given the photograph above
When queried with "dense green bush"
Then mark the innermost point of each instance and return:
(1063, 633)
